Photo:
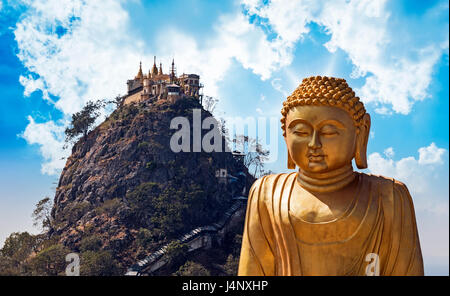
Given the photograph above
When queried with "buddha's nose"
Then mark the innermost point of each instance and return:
(315, 141)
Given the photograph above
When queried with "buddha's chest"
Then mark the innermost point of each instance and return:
(317, 209)
(319, 220)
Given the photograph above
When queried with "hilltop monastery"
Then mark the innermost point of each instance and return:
(162, 86)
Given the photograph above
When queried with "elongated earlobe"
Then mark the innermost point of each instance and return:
(290, 162)
(361, 142)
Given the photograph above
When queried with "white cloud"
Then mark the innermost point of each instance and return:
(389, 152)
(235, 39)
(82, 62)
(288, 19)
(396, 75)
(431, 155)
(383, 110)
(424, 177)
(276, 84)
(50, 137)
(31, 85)
(401, 84)
(248, 44)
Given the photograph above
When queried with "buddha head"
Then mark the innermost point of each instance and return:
(325, 126)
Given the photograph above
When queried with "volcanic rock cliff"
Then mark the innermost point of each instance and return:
(126, 191)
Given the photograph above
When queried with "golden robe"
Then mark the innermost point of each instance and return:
(380, 220)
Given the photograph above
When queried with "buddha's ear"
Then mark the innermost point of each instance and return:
(361, 142)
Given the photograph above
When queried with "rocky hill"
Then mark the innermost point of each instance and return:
(124, 191)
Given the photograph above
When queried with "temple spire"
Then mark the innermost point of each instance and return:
(139, 74)
(160, 69)
(172, 72)
(154, 68)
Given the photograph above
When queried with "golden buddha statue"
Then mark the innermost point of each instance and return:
(327, 219)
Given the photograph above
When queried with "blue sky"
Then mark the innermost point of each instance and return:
(251, 54)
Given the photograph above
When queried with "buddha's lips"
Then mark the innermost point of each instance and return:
(316, 157)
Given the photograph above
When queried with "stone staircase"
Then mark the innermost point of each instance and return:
(198, 238)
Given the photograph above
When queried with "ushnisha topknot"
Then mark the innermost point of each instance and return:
(324, 91)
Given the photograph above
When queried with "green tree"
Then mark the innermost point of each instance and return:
(118, 100)
(74, 212)
(171, 208)
(91, 243)
(255, 154)
(176, 252)
(41, 214)
(231, 266)
(99, 263)
(18, 247)
(83, 120)
(50, 261)
(8, 267)
(141, 202)
(191, 268)
(144, 238)
(209, 103)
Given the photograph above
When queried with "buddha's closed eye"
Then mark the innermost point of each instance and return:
(301, 133)
(329, 130)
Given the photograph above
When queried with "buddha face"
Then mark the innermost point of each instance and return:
(320, 138)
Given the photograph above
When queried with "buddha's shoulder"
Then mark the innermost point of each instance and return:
(272, 180)
(266, 186)
(394, 195)
(388, 187)
(383, 181)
